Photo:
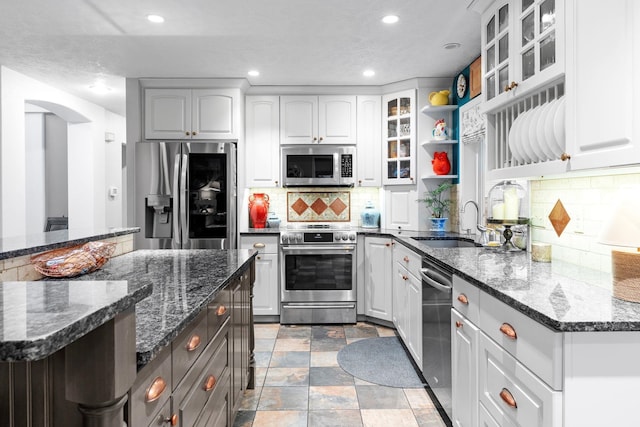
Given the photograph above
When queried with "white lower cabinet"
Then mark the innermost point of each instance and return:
(378, 275)
(499, 364)
(464, 369)
(407, 299)
(266, 289)
(484, 419)
(512, 394)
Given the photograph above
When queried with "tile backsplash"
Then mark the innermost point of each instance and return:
(588, 201)
(355, 198)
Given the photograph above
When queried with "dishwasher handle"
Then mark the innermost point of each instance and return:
(438, 281)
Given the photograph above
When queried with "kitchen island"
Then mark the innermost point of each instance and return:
(176, 291)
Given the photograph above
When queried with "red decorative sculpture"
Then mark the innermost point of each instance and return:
(440, 162)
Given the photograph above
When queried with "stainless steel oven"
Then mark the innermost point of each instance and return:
(318, 277)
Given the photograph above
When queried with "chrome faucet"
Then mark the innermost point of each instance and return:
(481, 228)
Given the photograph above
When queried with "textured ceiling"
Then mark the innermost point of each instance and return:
(71, 43)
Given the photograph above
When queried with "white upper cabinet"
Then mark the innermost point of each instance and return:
(318, 120)
(522, 48)
(399, 142)
(262, 141)
(337, 119)
(298, 119)
(580, 120)
(369, 141)
(191, 114)
(603, 93)
(401, 208)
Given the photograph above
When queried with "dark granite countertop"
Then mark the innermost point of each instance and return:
(184, 282)
(564, 297)
(11, 247)
(39, 318)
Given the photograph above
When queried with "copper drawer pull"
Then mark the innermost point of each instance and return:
(507, 397)
(508, 330)
(258, 245)
(404, 277)
(406, 259)
(463, 299)
(458, 324)
(173, 420)
(194, 343)
(210, 383)
(221, 310)
(387, 244)
(155, 390)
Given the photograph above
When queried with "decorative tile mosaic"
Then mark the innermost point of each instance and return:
(311, 206)
(559, 218)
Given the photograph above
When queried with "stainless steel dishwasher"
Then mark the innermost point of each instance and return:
(436, 331)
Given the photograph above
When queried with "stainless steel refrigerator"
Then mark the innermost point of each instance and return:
(186, 195)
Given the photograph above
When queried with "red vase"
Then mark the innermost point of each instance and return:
(258, 209)
(441, 164)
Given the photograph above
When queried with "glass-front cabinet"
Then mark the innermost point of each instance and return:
(522, 48)
(399, 132)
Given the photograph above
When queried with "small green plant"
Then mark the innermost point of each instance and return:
(433, 200)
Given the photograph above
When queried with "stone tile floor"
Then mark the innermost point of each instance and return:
(300, 384)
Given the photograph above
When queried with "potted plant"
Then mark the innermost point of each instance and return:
(439, 206)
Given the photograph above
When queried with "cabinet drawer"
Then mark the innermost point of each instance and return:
(263, 244)
(151, 390)
(534, 345)
(408, 259)
(216, 411)
(187, 346)
(163, 416)
(466, 299)
(215, 372)
(511, 393)
(218, 311)
(484, 418)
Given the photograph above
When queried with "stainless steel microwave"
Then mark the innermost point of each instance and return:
(318, 165)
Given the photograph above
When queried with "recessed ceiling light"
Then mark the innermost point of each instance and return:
(156, 19)
(100, 88)
(390, 19)
(254, 73)
(369, 73)
(450, 46)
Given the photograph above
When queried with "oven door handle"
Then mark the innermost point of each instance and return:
(308, 306)
(317, 249)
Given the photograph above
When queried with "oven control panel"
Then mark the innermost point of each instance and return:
(317, 237)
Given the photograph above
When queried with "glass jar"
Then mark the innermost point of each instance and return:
(370, 216)
(506, 202)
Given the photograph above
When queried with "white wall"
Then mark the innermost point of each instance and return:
(87, 154)
(116, 125)
(35, 169)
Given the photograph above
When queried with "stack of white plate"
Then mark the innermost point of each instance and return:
(538, 134)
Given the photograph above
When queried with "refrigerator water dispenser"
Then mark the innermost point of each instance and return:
(158, 219)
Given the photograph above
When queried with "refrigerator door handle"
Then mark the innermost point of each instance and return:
(184, 201)
(177, 236)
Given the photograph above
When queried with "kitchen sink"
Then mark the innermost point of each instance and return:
(446, 243)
